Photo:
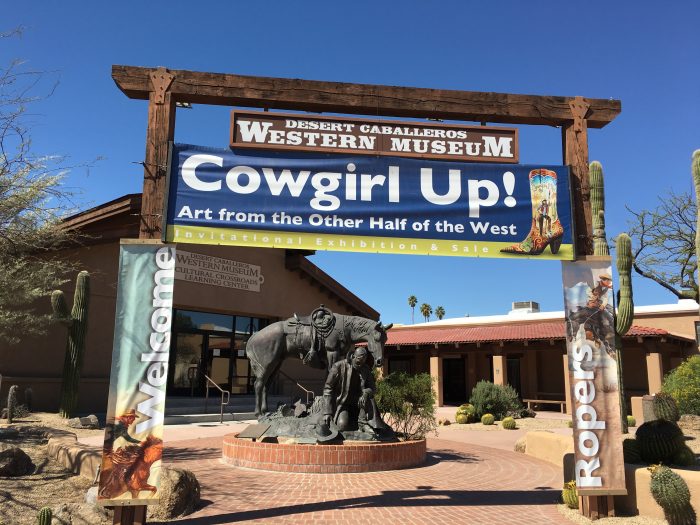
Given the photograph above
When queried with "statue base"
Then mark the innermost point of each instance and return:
(350, 456)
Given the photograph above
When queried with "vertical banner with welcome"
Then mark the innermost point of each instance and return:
(133, 446)
(590, 329)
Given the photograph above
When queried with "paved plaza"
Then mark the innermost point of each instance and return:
(461, 482)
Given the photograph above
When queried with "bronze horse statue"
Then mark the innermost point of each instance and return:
(319, 340)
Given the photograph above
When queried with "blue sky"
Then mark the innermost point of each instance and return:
(642, 53)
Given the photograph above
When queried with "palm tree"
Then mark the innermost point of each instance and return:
(412, 302)
(440, 312)
(426, 310)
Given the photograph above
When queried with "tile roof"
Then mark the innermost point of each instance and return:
(494, 333)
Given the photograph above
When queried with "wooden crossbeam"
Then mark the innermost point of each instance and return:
(365, 99)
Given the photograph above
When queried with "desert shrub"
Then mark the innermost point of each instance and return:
(409, 402)
(683, 384)
(498, 400)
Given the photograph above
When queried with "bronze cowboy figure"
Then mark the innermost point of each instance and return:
(319, 340)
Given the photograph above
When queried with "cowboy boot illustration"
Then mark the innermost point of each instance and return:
(546, 230)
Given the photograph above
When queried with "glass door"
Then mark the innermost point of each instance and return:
(186, 360)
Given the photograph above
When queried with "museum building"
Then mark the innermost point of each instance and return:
(222, 295)
(527, 349)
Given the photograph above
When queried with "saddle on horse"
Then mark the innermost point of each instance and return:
(317, 327)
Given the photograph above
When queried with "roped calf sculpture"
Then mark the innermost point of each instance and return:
(319, 340)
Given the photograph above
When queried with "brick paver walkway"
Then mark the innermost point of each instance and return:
(460, 483)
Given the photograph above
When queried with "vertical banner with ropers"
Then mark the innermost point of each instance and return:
(590, 328)
(133, 446)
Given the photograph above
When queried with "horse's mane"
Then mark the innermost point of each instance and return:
(358, 324)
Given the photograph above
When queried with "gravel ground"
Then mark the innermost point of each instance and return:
(575, 517)
(529, 423)
(50, 485)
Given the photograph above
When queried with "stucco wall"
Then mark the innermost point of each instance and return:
(38, 362)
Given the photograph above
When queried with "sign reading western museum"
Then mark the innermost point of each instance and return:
(215, 271)
(368, 204)
(593, 377)
(292, 131)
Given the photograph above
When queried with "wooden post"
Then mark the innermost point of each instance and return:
(575, 155)
(130, 515)
(161, 129)
(567, 384)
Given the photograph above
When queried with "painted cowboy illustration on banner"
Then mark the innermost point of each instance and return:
(127, 461)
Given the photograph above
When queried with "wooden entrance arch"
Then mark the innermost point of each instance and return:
(164, 88)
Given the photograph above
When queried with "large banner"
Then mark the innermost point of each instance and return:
(368, 204)
(590, 328)
(131, 456)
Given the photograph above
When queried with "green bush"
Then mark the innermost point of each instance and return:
(631, 422)
(487, 419)
(409, 402)
(683, 384)
(508, 423)
(498, 400)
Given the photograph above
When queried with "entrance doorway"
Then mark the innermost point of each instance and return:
(454, 388)
(210, 345)
(513, 374)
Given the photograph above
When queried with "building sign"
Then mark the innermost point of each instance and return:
(214, 271)
(133, 445)
(292, 131)
(593, 376)
(368, 204)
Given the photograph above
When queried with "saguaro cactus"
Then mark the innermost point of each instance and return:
(695, 168)
(76, 321)
(11, 402)
(625, 305)
(595, 177)
(45, 516)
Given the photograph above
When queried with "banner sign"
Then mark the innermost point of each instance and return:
(215, 271)
(292, 131)
(593, 376)
(368, 204)
(133, 445)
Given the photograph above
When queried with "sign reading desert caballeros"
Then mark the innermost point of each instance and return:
(368, 204)
(292, 131)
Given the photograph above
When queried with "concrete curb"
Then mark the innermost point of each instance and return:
(78, 458)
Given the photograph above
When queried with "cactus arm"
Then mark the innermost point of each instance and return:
(595, 176)
(81, 297)
(60, 308)
(625, 307)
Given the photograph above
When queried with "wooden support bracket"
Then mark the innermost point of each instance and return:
(161, 79)
(579, 109)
